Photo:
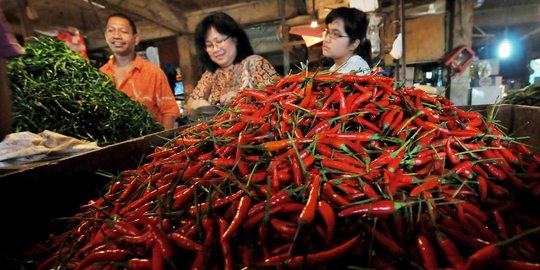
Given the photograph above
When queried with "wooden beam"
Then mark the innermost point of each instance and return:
(135, 14)
(301, 7)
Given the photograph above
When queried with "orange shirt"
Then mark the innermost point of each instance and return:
(147, 84)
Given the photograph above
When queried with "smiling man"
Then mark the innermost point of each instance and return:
(141, 80)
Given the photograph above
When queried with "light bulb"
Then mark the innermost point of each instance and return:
(505, 49)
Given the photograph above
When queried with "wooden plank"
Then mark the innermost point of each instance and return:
(425, 39)
(424, 42)
(526, 123)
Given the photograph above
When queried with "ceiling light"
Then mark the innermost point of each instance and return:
(505, 49)
(95, 4)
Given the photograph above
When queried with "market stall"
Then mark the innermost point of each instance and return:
(431, 160)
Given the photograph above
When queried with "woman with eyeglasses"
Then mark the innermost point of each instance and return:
(345, 41)
(223, 48)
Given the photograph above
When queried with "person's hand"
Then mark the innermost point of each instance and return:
(193, 105)
(227, 98)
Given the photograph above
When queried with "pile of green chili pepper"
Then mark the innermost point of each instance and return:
(56, 89)
(319, 171)
(529, 95)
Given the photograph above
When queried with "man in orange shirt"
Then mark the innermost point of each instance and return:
(141, 80)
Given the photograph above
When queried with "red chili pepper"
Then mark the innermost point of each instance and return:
(517, 265)
(228, 262)
(329, 192)
(463, 166)
(361, 88)
(508, 156)
(224, 162)
(272, 146)
(425, 186)
(320, 127)
(116, 255)
(465, 133)
(283, 227)
(329, 218)
(386, 87)
(359, 100)
(312, 260)
(427, 252)
(500, 224)
(369, 191)
(450, 152)
(452, 253)
(366, 124)
(185, 243)
(493, 170)
(218, 203)
(426, 141)
(482, 188)
(473, 210)
(139, 264)
(146, 198)
(297, 171)
(241, 214)
(344, 167)
(323, 113)
(382, 160)
(389, 117)
(385, 241)
(257, 94)
(258, 217)
(431, 115)
(376, 208)
(276, 199)
(308, 213)
(359, 136)
(307, 94)
(162, 152)
(162, 241)
(394, 163)
(397, 120)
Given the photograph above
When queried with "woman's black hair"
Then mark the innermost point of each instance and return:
(356, 23)
(124, 16)
(225, 25)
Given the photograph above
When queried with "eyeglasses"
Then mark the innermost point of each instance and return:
(332, 35)
(215, 44)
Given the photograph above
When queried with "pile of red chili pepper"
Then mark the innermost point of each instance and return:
(317, 170)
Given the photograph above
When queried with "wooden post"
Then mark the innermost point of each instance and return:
(462, 26)
(187, 62)
(285, 37)
(402, 60)
(27, 30)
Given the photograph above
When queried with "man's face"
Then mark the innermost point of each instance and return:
(120, 36)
